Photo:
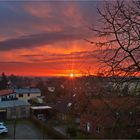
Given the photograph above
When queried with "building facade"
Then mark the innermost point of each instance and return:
(13, 109)
(116, 117)
(27, 94)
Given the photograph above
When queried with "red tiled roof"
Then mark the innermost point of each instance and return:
(115, 103)
(98, 104)
(122, 103)
(5, 92)
(105, 115)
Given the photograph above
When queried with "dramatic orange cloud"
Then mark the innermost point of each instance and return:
(47, 38)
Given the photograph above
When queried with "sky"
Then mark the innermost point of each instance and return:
(47, 38)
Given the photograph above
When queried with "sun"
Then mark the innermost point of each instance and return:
(71, 75)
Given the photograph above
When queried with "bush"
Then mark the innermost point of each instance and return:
(81, 135)
(71, 130)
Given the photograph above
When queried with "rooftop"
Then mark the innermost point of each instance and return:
(26, 90)
(5, 92)
(64, 104)
(13, 103)
(115, 102)
(40, 107)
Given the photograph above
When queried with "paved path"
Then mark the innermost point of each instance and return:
(61, 129)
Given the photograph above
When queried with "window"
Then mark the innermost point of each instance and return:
(88, 127)
(28, 94)
(98, 129)
(20, 95)
(3, 98)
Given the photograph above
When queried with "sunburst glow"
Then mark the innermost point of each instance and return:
(71, 75)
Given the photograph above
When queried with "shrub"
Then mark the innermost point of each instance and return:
(71, 130)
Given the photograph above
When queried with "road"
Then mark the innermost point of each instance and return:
(25, 129)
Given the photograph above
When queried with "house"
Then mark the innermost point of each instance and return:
(7, 94)
(12, 109)
(65, 110)
(27, 94)
(96, 117)
(62, 108)
(111, 117)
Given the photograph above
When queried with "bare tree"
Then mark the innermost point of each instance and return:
(119, 36)
(119, 39)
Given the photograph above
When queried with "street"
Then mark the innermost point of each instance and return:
(25, 129)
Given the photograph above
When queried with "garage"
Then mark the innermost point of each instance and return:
(3, 114)
(41, 112)
(14, 108)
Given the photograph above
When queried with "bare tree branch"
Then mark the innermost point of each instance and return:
(121, 29)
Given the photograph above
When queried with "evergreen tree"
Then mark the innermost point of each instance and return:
(3, 81)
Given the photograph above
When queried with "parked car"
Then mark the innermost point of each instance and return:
(1, 123)
(3, 128)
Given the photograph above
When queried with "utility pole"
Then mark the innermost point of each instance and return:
(14, 127)
(15, 118)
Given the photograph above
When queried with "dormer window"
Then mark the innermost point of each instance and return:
(74, 95)
(69, 104)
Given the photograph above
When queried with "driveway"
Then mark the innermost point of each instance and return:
(25, 129)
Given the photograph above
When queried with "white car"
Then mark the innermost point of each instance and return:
(3, 128)
(1, 123)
